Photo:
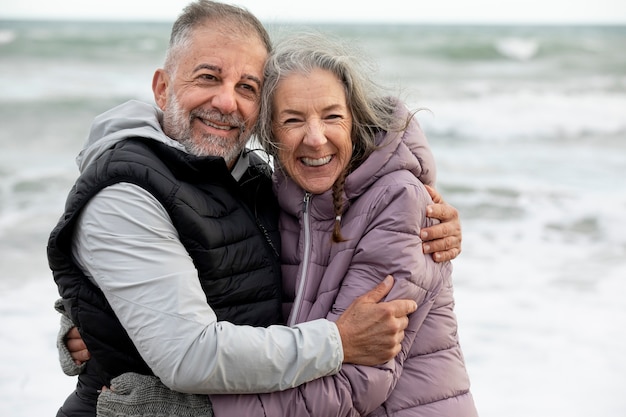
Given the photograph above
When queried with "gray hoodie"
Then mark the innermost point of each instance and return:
(126, 243)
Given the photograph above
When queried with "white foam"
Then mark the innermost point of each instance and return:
(7, 36)
(521, 49)
(527, 115)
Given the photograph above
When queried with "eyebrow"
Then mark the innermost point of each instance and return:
(332, 107)
(217, 69)
(335, 107)
(208, 66)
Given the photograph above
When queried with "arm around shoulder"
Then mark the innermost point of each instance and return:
(156, 294)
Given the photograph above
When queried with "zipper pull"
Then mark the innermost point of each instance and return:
(305, 201)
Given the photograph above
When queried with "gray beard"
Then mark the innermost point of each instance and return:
(177, 125)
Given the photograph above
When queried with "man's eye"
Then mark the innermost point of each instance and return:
(208, 77)
(249, 88)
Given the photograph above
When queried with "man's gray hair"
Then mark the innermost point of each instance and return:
(231, 19)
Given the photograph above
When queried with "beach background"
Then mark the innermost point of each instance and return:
(528, 127)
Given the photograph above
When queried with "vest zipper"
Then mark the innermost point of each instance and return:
(267, 237)
(304, 266)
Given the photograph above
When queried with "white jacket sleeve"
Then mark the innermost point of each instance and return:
(126, 243)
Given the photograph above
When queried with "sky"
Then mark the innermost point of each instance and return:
(401, 11)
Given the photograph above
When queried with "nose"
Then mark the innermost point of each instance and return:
(225, 99)
(314, 135)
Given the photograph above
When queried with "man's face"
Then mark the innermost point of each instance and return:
(211, 103)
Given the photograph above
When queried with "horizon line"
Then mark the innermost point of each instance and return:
(326, 21)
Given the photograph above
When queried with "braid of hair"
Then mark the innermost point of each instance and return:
(338, 206)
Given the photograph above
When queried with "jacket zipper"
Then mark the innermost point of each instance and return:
(304, 267)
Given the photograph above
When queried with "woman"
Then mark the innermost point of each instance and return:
(351, 165)
(350, 168)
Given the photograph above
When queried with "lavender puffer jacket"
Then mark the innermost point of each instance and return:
(387, 205)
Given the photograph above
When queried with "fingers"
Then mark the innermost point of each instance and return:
(76, 346)
(442, 211)
(447, 255)
(79, 356)
(73, 333)
(400, 309)
(389, 339)
(442, 240)
(379, 292)
(436, 197)
(443, 250)
(371, 331)
(442, 244)
(441, 231)
(387, 351)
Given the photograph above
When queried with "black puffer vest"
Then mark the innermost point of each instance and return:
(228, 228)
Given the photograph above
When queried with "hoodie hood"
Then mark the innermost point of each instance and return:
(397, 150)
(131, 119)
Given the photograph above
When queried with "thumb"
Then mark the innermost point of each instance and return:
(379, 292)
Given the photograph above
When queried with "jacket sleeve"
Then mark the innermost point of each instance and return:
(127, 245)
(391, 245)
(65, 357)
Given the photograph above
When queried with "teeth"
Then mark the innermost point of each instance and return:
(213, 125)
(316, 162)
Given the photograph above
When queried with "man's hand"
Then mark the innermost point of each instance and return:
(442, 240)
(371, 331)
(76, 346)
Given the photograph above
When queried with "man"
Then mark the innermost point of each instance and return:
(169, 213)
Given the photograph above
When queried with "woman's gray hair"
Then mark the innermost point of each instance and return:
(371, 109)
(233, 20)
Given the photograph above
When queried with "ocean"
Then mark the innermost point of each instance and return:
(528, 127)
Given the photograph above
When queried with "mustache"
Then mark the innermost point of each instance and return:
(218, 117)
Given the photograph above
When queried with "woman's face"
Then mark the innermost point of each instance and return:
(312, 125)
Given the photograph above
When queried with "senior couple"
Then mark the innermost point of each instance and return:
(170, 253)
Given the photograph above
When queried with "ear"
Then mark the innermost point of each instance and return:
(160, 84)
